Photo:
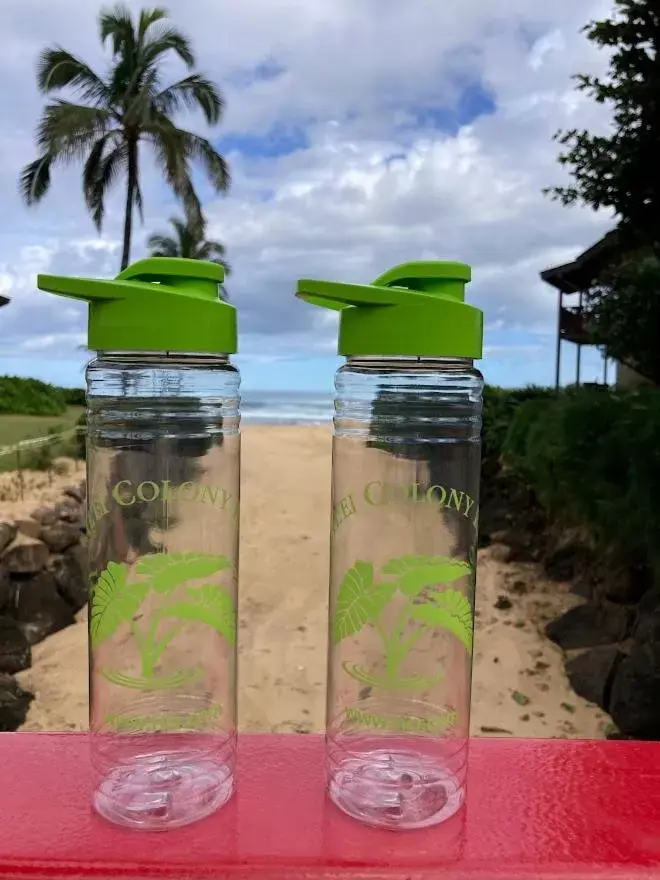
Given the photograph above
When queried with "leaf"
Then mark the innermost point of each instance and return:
(359, 601)
(113, 602)
(416, 573)
(449, 610)
(169, 570)
(210, 605)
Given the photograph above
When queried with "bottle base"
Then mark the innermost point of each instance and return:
(397, 790)
(163, 791)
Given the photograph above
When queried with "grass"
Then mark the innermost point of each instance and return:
(14, 428)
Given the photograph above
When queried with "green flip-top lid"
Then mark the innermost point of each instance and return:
(415, 309)
(157, 304)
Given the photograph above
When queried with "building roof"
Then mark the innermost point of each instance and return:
(581, 273)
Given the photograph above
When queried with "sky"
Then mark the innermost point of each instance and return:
(360, 134)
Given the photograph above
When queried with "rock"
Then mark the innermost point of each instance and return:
(76, 492)
(29, 527)
(15, 651)
(45, 515)
(583, 589)
(521, 546)
(6, 589)
(499, 552)
(566, 558)
(14, 704)
(627, 584)
(591, 624)
(647, 620)
(69, 511)
(25, 555)
(591, 674)
(40, 609)
(634, 703)
(7, 534)
(70, 579)
(60, 536)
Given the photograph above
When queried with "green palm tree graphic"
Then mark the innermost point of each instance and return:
(117, 113)
(116, 601)
(361, 601)
(188, 240)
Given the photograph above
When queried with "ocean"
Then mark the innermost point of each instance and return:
(286, 407)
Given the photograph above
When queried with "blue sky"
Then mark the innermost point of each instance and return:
(360, 133)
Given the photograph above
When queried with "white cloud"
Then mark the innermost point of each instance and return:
(353, 74)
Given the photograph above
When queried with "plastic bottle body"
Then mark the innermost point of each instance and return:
(406, 468)
(163, 461)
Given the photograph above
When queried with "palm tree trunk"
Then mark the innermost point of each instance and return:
(130, 201)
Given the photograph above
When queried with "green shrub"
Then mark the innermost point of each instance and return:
(30, 397)
(74, 396)
(500, 405)
(593, 460)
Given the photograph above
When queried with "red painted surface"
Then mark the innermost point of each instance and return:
(535, 809)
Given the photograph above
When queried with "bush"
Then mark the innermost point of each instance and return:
(30, 397)
(592, 460)
(500, 406)
(74, 396)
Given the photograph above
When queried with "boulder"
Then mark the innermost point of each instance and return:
(634, 703)
(7, 534)
(591, 674)
(77, 492)
(40, 609)
(14, 704)
(627, 584)
(567, 558)
(70, 579)
(69, 511)
(590, 625)
(29, 527)
(647, 621)
(15, 651)
(60, 536)
(45, 515)
(25, 555)
(6, 589)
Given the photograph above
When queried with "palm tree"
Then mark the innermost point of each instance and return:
(122, 110)
(188, 240)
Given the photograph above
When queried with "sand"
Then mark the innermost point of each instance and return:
(519, 686)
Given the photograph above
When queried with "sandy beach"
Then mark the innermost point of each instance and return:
(519, 686)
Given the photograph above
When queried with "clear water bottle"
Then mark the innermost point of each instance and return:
(162, 522)
(405, 501)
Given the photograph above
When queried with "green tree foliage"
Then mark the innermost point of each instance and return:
(592, 460)
(617, 170)
(117, 113)
(624, 313)
(30, 397)
(188, 240)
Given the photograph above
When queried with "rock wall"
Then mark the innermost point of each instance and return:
(612, 640)
(43, 583)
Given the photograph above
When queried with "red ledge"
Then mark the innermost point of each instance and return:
(535, 809)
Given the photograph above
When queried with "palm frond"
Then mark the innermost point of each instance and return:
(212, 250)
(165, 39)
(171, 157)
(201, 149)
(194, 91)
(99, 174)
(35, 179)
(117, 26)
(139, 203)
(57, 69)
(149, 17)
(65, 130)
(162, 246)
